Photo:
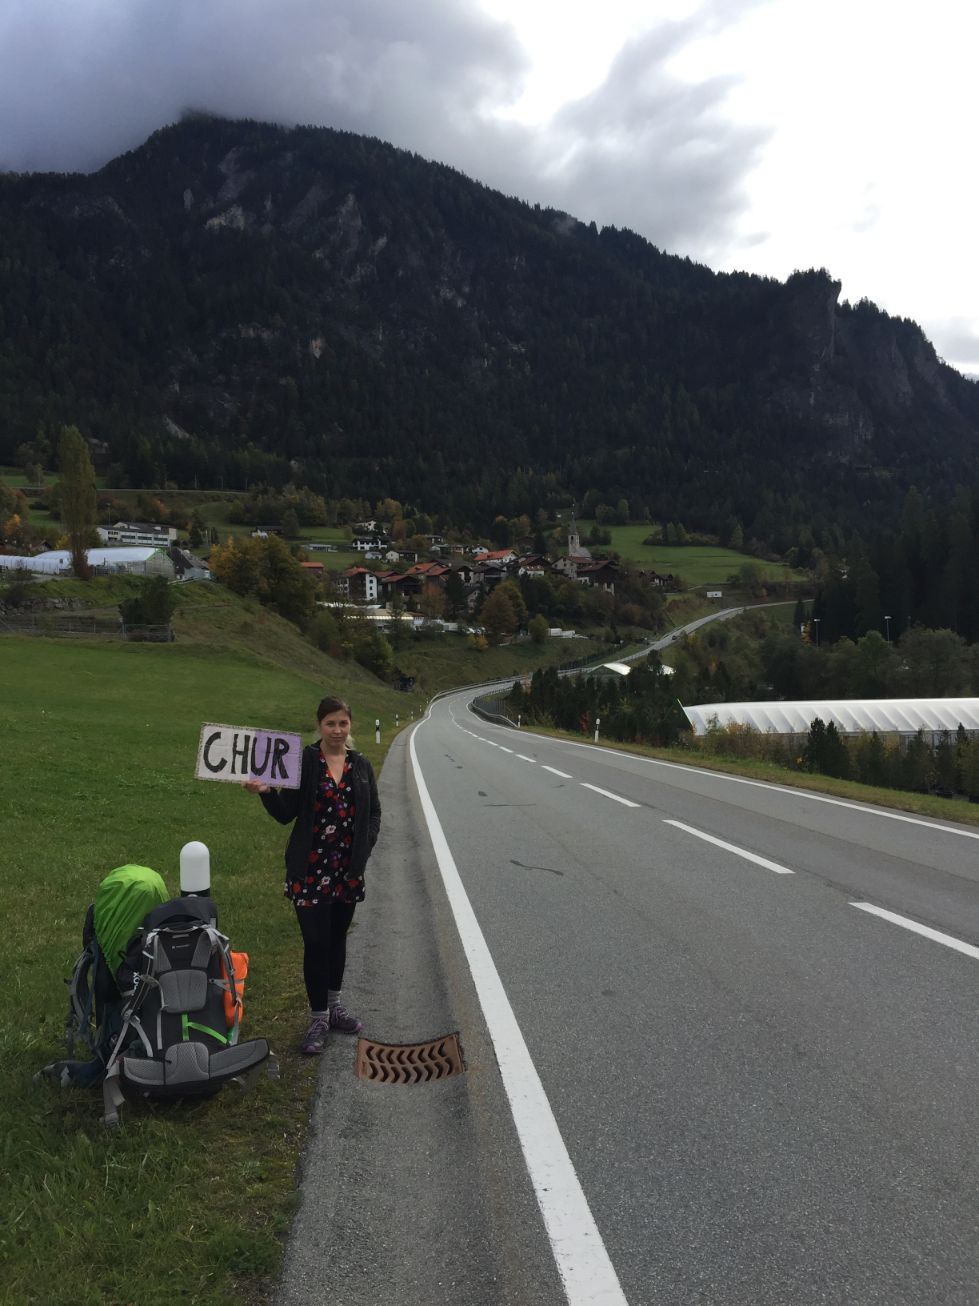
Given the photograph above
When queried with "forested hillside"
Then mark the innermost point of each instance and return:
(236, 303)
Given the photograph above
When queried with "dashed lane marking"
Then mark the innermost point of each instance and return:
(732, 848)
(626, 802)
(907, 924)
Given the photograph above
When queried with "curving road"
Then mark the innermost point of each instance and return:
(736, 1024)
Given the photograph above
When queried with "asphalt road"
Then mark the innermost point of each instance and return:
(764, 1093)
(768, 1094)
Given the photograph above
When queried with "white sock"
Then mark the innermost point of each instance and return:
(333, 997)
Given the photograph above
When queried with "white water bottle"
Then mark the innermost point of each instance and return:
(195, 868)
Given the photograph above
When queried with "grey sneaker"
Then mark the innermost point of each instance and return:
(343, 1022)
(316, 1036)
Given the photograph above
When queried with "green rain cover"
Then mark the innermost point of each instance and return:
(121, 901)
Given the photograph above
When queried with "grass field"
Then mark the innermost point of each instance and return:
(184, 1204)
(697, 564)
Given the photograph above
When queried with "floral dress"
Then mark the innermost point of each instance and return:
(327, 876)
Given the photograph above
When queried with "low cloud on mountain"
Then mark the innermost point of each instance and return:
(81, 81)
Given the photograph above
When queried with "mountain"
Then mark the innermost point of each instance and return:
(242, 303)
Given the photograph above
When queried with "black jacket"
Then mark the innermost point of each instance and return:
(297, 805)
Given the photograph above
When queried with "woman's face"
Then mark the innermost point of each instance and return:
(334, 730)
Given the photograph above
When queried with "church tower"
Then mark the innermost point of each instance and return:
(574, 544)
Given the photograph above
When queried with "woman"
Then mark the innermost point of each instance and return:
(336, 817)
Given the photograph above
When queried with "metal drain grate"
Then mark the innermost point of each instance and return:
(409, 1063)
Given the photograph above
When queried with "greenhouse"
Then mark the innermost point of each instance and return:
(851, 716)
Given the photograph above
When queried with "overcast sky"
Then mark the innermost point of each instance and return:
(758, 134)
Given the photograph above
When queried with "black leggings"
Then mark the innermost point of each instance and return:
(324, 930)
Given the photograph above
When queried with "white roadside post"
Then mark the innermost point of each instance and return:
(598, 722)
(518, 720)
(397, 720)
(377, 730)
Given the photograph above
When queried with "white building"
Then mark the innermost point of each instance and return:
(145, 534)
(358, 583)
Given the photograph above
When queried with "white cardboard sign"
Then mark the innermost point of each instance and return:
(238, 753)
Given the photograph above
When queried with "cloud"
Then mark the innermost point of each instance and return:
(83, 80)
(649, 151)
(957, 340)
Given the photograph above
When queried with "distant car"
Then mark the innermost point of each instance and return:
(674, 638)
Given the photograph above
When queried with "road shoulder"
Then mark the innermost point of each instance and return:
(414, 1193)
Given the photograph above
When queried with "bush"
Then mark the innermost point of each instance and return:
(538, 629)
(153, 606)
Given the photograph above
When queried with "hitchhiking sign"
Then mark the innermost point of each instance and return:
(240, 753)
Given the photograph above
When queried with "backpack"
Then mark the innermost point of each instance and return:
(182, 976)
(166, 1023)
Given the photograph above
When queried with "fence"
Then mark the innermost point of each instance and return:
(60, 625)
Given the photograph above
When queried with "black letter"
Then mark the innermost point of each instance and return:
(281, 748)
(239, 754)
(207, 744)
(256, 769)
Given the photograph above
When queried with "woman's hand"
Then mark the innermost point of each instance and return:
(256, 787)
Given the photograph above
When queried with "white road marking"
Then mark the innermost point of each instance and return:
(524, 758)
(950, 942)
(503, 748)
(581, 1257)
(865, 808)
(554, 771)
(624, 801)
(733, 848)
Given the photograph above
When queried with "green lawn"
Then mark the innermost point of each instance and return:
(186, 1203)
(697, 564)
(14, 477)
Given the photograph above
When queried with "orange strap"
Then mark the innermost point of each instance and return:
(239, 960)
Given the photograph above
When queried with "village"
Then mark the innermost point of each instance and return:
(444, 583)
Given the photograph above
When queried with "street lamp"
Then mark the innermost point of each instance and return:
(888, 623)
(815, 622)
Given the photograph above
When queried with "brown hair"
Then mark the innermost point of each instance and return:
(330, 705)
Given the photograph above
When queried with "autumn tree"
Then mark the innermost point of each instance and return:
(498, 615)
(78, 500)
(512, 590)
(266, 569)
(432, 604)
